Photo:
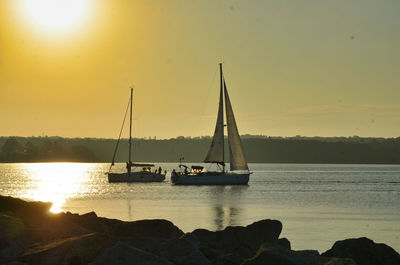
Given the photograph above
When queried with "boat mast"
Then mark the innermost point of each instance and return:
(130, 129)
(223, 125)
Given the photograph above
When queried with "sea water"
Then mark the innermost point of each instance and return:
(317, 204)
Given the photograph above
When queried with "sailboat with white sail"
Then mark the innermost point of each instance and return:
(239, 171)
(136, 172)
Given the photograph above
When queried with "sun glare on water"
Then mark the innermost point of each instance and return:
(56, 182)
(55, 15)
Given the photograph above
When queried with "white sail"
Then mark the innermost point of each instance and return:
(237, 158)
(216, 151)
(197, 176)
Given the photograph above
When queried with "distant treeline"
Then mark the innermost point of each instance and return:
(258, 149)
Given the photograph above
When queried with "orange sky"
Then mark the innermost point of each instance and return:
(327, 68)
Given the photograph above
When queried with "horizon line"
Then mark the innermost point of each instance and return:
(200, 137)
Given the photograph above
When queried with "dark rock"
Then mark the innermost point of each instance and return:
(285, 243)
(123, 254)
(31, 222)
(339, 261)
(364, 251)
(91, 215)
(13, 238)
(211, 253)
(29, 234)
(16, 235)
(243, 241)
(14, 205)
(89, 221)
(53, 228)
(185, 251)
(162, 229)
(148, 235)
(228, 259)
(75, 250)
(31, 212)
(11, 230)
(149, 244)
(264, 258)
(278, 255)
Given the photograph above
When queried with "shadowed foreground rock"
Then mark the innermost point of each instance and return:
(278, 255)
(29, 234)
(364, 251)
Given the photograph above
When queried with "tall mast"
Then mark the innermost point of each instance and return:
(223, 125)
(130, 129)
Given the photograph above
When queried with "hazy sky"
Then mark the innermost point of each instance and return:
(326, 68)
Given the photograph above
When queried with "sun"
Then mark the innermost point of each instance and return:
(55, 15)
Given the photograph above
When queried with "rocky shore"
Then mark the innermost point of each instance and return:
(30, 234)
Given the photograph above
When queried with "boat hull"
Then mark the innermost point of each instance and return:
(211, 178)
(136, 177)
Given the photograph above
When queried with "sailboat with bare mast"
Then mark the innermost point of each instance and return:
(239, 171)
(136, 172)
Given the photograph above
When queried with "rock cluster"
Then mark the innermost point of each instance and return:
(29, 234)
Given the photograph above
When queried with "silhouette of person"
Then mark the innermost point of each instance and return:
(128, 167)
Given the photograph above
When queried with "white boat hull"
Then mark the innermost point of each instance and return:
(211, 178)
(136, 177)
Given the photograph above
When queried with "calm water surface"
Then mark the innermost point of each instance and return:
(317, 204)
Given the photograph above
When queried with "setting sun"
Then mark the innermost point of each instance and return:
(55, 15)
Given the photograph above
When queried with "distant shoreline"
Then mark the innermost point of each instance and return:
(258, 149)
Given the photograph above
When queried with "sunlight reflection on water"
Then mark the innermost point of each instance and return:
(55, 182)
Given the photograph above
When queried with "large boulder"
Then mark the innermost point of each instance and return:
(16, 235)
(74, 250)
(89, 221)
(279, 255)
(364, 251)
(12, 237)
(35, 222)
(228, 259)
(124, 254)
(339, 261)
(54, 228)
(243, 241)
(156, 228)
(185, 251)
(31, 212)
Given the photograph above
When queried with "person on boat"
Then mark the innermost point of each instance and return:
(128, 167)
(159, 170)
